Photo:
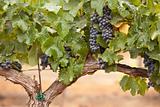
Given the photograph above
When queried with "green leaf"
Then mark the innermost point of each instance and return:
(21, 48)
(66, 16)
(150, 3)
(63, 28)
(111, 68)
(110, 57)
(75, 10)
(73, 6)
(123, 12)
(21, 38)
(134, 52)
(142, 86)
(136, 85)
(101, 42)
(113, 4)
(54, 51)
(98, 5)
(21, 24)
(118, 43)
(125, 83)
(64, 62)
(154, 55)
(159, 41)
(51, 7)
(116, 19)
(135, 2)
(68, 74)
(33, 55)
(81, 23)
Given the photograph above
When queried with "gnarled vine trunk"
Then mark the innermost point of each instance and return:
(32, 88)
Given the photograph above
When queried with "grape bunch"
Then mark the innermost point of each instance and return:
(17, 66)
(102, 63)
(107, 12)
(105, 25)
(103, 22)
(149, 63)
(104, 28)
(44, 61)
(94, 18)
(92, 39)
(7, 65)
(107, 34)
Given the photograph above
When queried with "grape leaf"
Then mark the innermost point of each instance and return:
(98, 5)
(33, 55)
(51, 7)
(113, 4)
(135, 85)
(110, 57)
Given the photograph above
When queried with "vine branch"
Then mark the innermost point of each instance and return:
(58, 87)
(19, 78)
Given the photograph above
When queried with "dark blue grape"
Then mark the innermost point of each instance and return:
(149, 63)
(102, 63)
(6, 65)
(94, 18)
(16, 65)
(92, 39)
(103, 22)
(107, 34)
(44, 61)
(107, 12)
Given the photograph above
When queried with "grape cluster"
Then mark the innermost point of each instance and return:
(107, 12)
(105, 25)
(92, 40)
(149, 63)
(107, 34)
(17, 66)
(7, 65)
(102, 63)
(44, 61)
(103, 22)
(94, 18)
(104, 28)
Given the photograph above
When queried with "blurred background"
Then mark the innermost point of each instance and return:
(98, 90)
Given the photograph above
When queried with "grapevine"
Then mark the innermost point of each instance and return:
(75, 36)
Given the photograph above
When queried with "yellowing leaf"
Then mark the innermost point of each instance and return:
(124, 28)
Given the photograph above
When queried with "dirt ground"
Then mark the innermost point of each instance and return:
(98, 90)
